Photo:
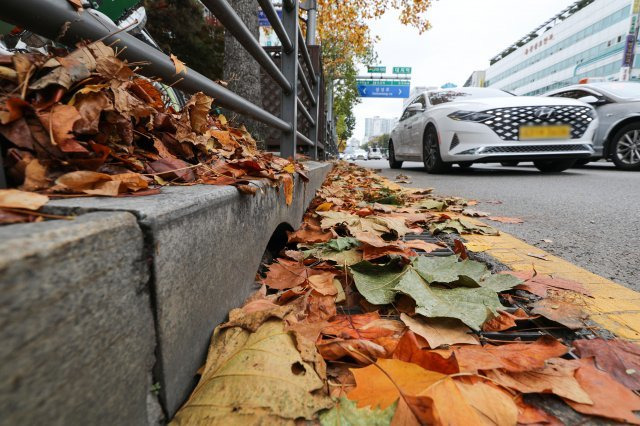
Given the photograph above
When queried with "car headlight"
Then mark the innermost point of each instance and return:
(476, 117)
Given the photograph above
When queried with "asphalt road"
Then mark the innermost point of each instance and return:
(592, 214)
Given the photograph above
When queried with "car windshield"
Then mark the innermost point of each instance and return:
(622, 90)
(444, 96)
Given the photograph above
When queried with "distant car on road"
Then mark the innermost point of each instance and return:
(374, 154)
(618, 107)
(359, 154)
(470, 124)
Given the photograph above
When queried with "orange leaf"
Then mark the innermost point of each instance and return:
(440, 331)
(409, 350)
(513, 357)
(616, 357)
(557, 377)
(505, 320)
(180, 67)
(610, 399)
(374, 388)
(309, 233)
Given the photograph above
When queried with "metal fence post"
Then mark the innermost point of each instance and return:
(290, 71)
(313, 131)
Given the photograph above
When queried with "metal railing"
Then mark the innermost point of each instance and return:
(57, 20)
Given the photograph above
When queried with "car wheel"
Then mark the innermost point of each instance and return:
(625, 151)
(465, 165)
(431, 153)
(393, 163)
(553, 166)
(510, 163)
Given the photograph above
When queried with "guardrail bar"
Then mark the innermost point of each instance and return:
(303, 139)
(305, 85)
(276, 24)
(307, 57)
(306, 113)
(47, 17)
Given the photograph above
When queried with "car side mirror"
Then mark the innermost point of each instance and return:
(592, 100)
(417, 107)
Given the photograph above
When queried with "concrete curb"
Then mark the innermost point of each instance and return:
(200, 246)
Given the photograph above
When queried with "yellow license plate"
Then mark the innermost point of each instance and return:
(545, 132)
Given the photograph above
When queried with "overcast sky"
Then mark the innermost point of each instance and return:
(465, 35)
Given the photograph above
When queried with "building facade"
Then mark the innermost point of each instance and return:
(376, 126)
(589, 39)
(477, 79)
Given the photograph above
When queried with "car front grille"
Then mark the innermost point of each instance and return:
(533, 148)
(507, 121)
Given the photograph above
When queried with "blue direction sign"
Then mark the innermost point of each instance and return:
(384, 88)
(263, 21)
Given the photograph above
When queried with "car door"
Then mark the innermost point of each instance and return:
(415, 128)
(399, 139)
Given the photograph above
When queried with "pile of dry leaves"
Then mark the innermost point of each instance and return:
(84, 123)
(357, 322)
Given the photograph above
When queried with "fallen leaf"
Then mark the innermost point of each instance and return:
(422, 246)
(409, 350)
(287, 180)
(362, 326)
(530, 415)
(309, 233)
(539, 285)
(440, 331)
(556, 377)
(503, 219)
(362, 351)
(505, 320)
(474, 213)
(610, 398)
(377, 385)
(460, 250)
(512, 357)
(14, 199)
(35, 176)
(565, 313)
(617, 357)
(254, 378)
(59, 122)
(493, 404)
(180, 67)
(346, 412)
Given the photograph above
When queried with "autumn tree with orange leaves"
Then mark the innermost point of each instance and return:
(343, 28)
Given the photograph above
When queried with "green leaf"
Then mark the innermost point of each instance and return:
(446, 270)
(473, 306)
(347, 257)
(340, 244)
(347, 413)
(461, 226)
(377, 282)
(501, 282)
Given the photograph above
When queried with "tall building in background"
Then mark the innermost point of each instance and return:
(477, 79)
(591, 38)
(377, 126)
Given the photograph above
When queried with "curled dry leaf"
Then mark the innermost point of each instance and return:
(440, 331)
(180, 67)
(14, 199)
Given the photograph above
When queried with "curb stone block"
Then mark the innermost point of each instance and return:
(76, 322)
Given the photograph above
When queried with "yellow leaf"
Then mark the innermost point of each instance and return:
(254, 378)
(222, 119)
(290, 168)
(324, 207)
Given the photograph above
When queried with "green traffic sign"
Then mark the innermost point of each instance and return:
(377, 70)
(383, 82)
(402, 70)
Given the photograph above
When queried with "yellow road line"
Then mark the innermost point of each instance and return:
(613, 306)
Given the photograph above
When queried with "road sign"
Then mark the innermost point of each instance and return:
(263, 21)
(377, 70)
(384, 88)
(402, 70)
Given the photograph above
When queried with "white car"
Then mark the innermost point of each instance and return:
(359, 154)
(374, 154)
(467, 125)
